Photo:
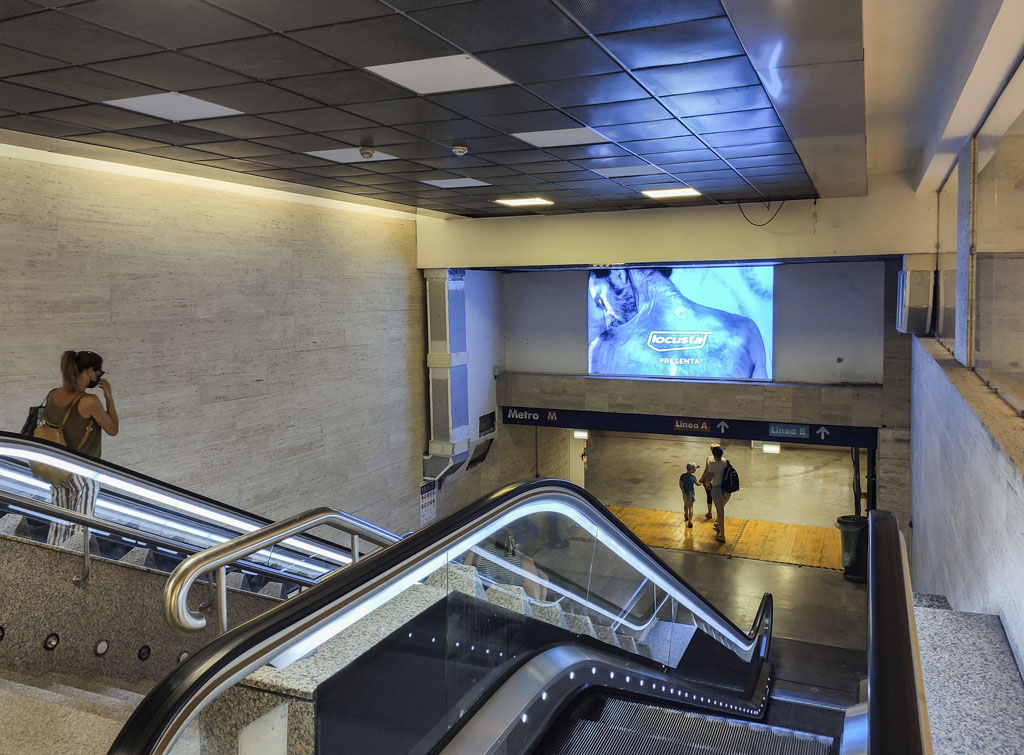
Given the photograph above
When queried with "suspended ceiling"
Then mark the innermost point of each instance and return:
(581, 102)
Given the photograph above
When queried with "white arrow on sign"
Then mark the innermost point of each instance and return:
(722, 426)
(821, 432)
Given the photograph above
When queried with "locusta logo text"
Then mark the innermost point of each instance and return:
(675, 340)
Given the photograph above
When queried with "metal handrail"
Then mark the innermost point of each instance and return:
(91, 522)
(176, 609)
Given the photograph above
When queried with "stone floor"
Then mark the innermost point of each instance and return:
(801, 485)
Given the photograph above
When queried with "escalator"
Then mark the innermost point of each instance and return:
(472, 636)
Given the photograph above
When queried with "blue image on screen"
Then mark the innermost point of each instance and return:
(695, 322)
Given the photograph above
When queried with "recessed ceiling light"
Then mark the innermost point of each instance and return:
(668, 193)
(456, 183)
(447, 74)
(350, 155)
(562, 137)
(523, 201)
(172, 106)
(635, 170)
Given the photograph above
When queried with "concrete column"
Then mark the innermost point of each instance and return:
(963, 348)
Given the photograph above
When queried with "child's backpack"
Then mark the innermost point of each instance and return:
(730, 478)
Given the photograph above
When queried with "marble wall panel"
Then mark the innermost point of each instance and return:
(267, 353)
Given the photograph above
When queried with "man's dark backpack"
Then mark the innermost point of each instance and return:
(730, 479)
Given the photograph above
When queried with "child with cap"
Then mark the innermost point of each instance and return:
(686, 482)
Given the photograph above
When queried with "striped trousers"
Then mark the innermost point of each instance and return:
(77, 494)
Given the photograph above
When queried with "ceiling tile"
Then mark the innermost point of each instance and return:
(419, 149)
(452, 162)
(372, 179)
(756, 150)
(541, 120)
(247, 127)
(235, 164)
(168, 23)
(749, 136)
(674, 144)
(604, 16)
(12, 8)
(581, 151)
(177, 153)
(515, 157)
(293, 161)
(116, 141)
(280, 16)
(697, 77)
(634, 170)
(34, 124)
(300, 142)
(549, 166)
(649, 130)
(718, 101)
(25, 100)
(402, 110)
(59, 36)
(175, 133)
(706, 175)
(490, 101)
(239, 148)
(602, 163)
(253, 98)
(447, 130)
(84, 84)
(775, 170)
(486, 171)
(359, 42)
(344, 87)
(553, 60)
(13, 62)
(471, 25)
(686, 158)
(169, 71)
(590, 90)
(675, 43)
(394, 166)
(339, 170)
(280, 174)
(320, 119)
(491, 144)
(101, 117)
(614, 113)
(372, 136)
(592, 184)
(267, 57)
(744, 119)
(762, 161)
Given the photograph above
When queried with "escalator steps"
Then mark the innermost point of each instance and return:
(631, 727)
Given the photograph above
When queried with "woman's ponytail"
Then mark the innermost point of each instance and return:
(69, 370)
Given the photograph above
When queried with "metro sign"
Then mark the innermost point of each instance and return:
(691, 425)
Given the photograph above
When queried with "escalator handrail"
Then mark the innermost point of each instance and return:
(897, 717)
(17, 443)
(102, 525)
(179, 584)
(172, 703)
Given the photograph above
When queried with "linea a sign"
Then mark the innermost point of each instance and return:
(691, 425)
(781, 430)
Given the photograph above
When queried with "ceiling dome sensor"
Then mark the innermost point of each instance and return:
(366, 152)
(459, 150)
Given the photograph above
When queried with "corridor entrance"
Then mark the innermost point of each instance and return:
(785, 510)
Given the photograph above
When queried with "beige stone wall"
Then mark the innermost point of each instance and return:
(265, 353)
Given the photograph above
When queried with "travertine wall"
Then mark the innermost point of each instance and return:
(266, 353)
(968, 492)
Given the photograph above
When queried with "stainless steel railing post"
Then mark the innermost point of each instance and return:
(222, 597)
(86, 563)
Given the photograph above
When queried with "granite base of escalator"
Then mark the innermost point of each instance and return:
(973, 688)
(120, 605)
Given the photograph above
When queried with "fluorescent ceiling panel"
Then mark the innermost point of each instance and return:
(350, 155)
(172, 106)
(456, 183)
(447, 74)
(523, 201)
(562, 137)
(682, 191)
(635, 170)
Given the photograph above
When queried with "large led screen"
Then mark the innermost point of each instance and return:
(695, 322)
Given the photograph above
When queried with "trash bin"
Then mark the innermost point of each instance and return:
(854, 533)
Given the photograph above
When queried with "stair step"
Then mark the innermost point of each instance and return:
(71, 697)
(35, 726)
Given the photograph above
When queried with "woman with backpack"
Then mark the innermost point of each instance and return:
(714, 469)
(83, 420)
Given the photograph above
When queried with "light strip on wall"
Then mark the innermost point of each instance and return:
(200, 182)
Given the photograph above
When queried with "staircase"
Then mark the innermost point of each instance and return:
(50, 714)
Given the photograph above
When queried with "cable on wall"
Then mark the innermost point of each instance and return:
(767, 205)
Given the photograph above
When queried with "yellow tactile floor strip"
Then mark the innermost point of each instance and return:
(746, 538)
